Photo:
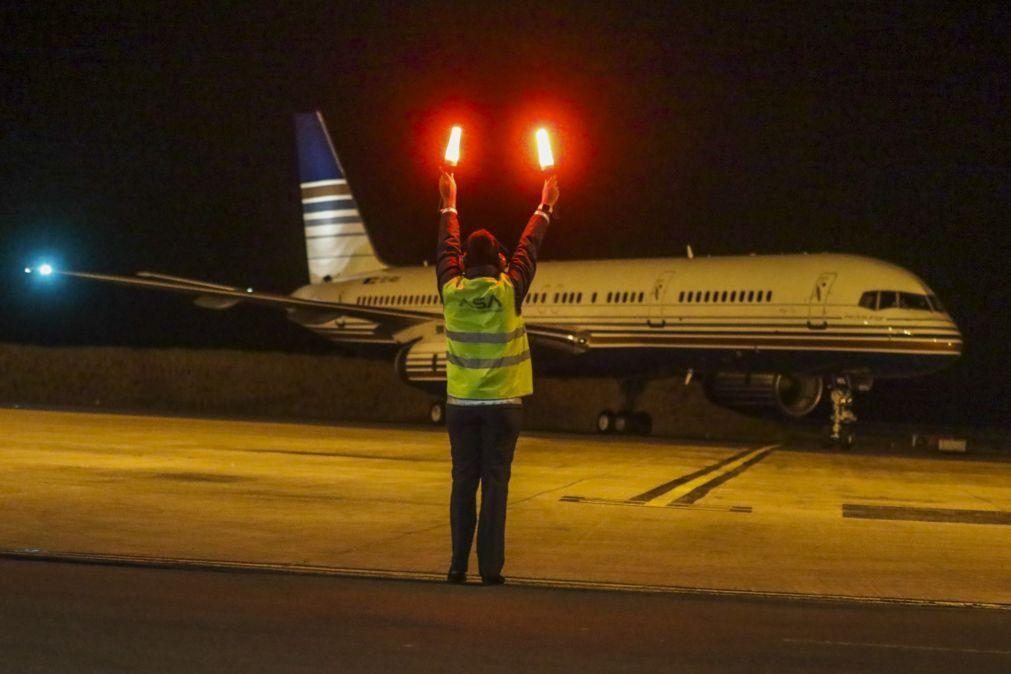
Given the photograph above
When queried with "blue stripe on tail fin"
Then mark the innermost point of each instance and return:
(337, 242)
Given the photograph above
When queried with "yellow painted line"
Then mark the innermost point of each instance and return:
(689, 487)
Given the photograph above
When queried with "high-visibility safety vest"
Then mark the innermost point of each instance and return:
(487, 355)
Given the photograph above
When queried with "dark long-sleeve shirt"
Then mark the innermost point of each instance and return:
(522, 265)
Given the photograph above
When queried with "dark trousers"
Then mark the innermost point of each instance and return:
(482, 439)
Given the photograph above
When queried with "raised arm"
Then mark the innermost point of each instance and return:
(448, 251)
(523, 264)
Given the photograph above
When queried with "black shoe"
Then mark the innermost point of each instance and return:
(456, 577)
(493, 580)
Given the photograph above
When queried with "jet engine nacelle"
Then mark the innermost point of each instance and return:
(789, 394)
(422, 364)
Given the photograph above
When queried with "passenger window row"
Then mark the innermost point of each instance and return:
(577, 297)
(397, 300)
(875, 300)
(721, 296)
(557, 298)
(537, 298)
(623, 297)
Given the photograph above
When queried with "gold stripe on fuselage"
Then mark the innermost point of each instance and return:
(825, 343)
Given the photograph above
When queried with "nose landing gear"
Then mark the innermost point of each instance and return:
(841, 433)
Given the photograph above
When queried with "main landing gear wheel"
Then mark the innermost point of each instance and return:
(437, 413)
(626, 420)
(639, 423)
(605, 422)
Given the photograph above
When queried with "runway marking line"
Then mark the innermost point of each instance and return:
(224, 566)
(690, 492)
(688, 489)
(903, 647)
(637, 504)
(914, 514)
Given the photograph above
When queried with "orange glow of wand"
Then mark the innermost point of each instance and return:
(453, 147)
(544, 154)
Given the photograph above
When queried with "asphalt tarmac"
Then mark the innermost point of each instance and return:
(810, 559)
(85, 618)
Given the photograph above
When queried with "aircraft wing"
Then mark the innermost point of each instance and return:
(215, 296)
(565, 338)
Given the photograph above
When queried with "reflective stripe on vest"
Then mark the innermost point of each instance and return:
(479, 363)
(486, 337)
(488, 356)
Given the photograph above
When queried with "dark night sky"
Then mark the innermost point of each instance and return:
(161, 139)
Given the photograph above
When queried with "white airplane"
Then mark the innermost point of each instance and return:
(763, 332)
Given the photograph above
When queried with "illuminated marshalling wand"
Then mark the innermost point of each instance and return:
(546, 158)
(544, 155)
(452, 156)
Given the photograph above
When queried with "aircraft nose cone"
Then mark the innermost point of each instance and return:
(957, 339)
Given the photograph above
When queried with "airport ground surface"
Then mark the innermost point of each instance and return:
(84, 618)
(709, 528)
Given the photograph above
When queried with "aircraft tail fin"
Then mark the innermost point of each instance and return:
(336, 241)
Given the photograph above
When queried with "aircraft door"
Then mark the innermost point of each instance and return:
(657, 299)
(554, 297)
(817, 314)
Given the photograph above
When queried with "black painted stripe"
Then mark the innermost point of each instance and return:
(703, 489)
(913, 514)
(636, 504)
(677, 482)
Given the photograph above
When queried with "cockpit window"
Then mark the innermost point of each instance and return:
(887, 299)
(893, 299)
(913, 301)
